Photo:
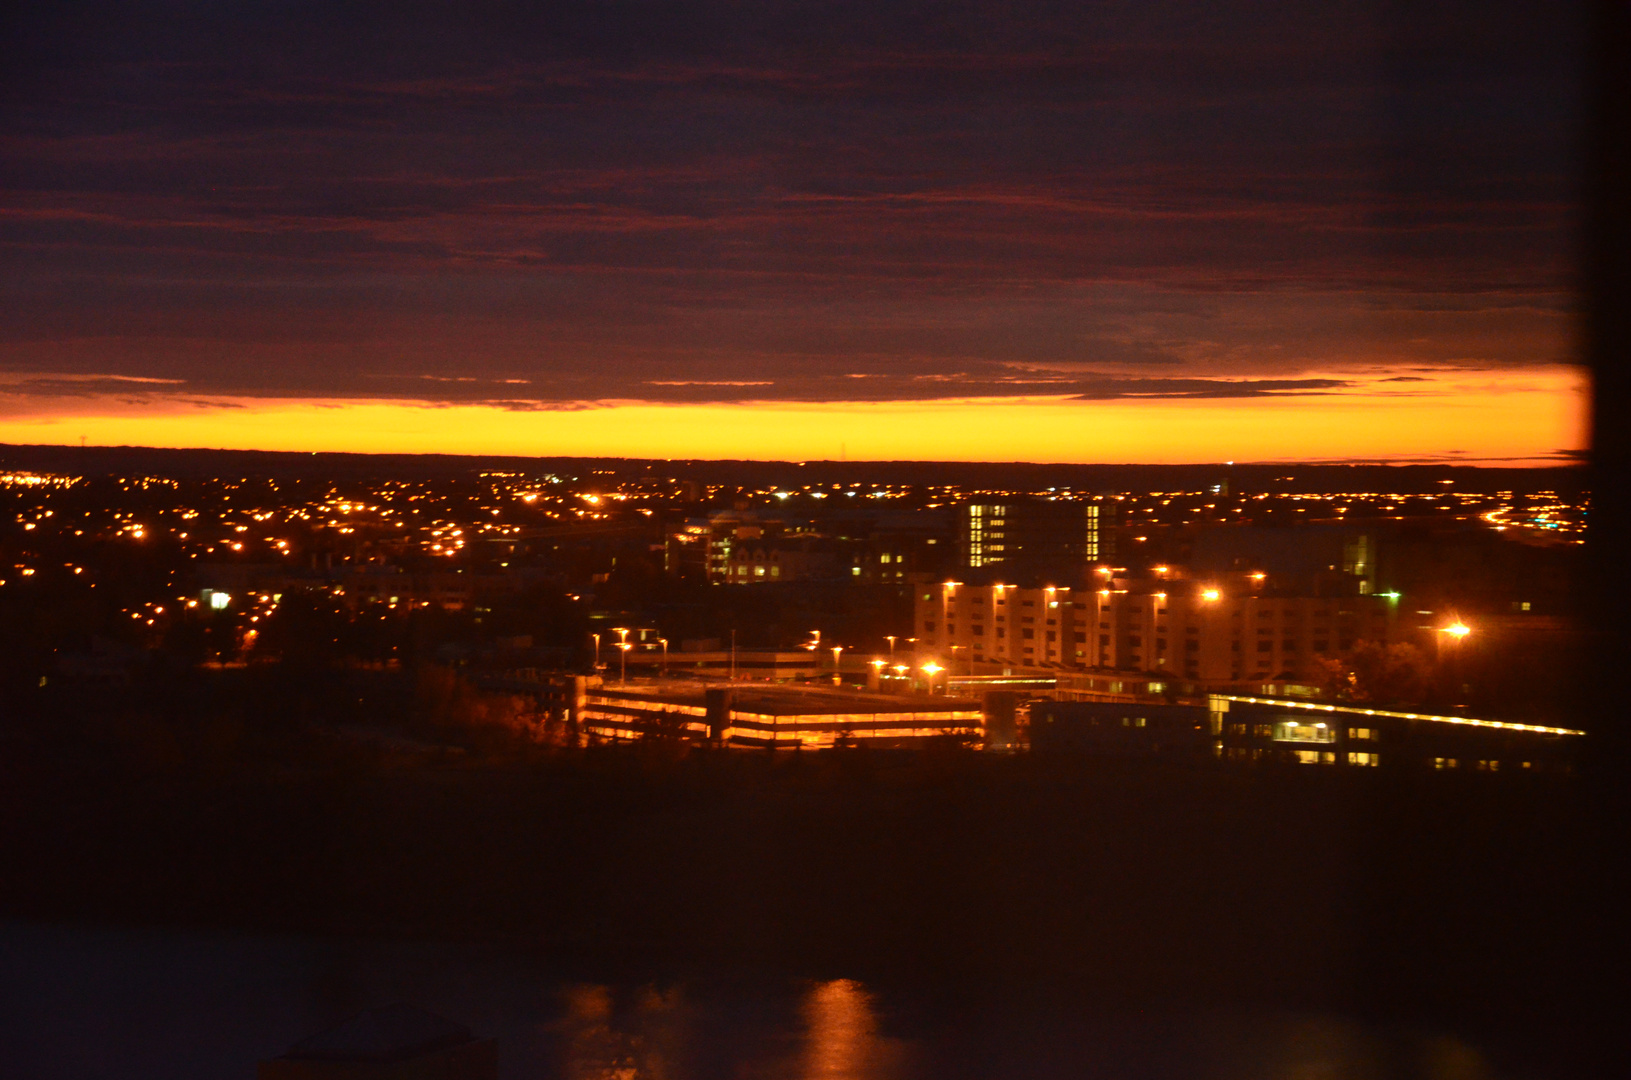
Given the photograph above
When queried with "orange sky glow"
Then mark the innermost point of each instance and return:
(1527, 416)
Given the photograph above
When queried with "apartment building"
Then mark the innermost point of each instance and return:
(1215, 631)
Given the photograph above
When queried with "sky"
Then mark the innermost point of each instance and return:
(1108, 232)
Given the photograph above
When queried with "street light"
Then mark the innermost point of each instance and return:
(931, 669)
(623, 663)
(597, 650)
(1211, 595)
(1454, 633)
(891, 639)
(836, 650)
(664, 643)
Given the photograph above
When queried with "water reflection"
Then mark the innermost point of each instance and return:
(103, 1004)
(842, 1041)
(828, 1032)
(646, 1041)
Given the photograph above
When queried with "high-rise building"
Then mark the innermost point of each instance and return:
(1031, 536)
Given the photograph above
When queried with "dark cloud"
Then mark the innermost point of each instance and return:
(646, 199)
(1109, 389)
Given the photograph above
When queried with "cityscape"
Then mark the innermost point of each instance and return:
(684, 576)
(268, 634)
(696, 540)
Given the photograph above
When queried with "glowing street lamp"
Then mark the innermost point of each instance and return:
(931, 669)
(836, 651)
(891, 639)
(1454, 633)
(664, 643)
(623, 662)
(597, 650)
(1211, 595)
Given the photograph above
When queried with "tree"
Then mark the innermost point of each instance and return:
(1376, 674)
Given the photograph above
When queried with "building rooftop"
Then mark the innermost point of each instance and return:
(1360, 710)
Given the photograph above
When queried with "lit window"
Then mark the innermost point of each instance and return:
(1299, 732)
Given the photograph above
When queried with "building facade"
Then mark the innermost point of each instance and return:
(1227, 631)
(1024, 535)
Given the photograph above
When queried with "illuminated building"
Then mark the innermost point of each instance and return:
(1227, 631)
(767, 716)
(1282, 732)
(1299, 732)
(1023, 535)
(755, 563)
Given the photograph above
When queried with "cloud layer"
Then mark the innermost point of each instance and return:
(775, 201)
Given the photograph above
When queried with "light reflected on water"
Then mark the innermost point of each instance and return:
(104, 1004)
(828, 1032)
(645, 1041)
(842, 1041)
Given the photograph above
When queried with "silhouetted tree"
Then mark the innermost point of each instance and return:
(1376, 674)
